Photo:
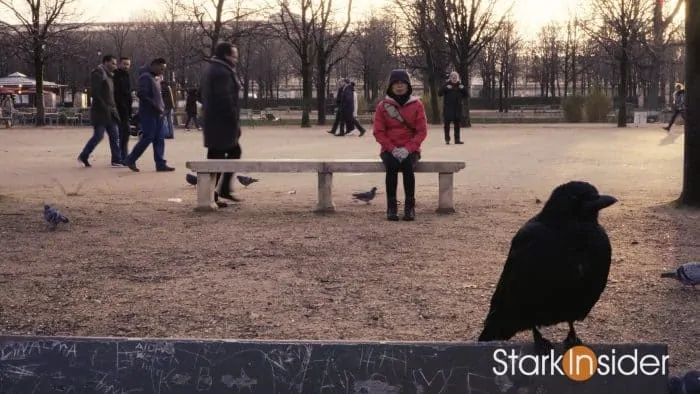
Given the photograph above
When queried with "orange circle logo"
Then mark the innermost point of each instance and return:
(579, 363)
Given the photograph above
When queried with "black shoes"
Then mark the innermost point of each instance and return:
(392, 211)
(409, 211)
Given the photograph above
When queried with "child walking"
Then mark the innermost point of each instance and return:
(400, 127)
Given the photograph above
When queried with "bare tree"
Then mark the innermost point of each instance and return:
(691, 159)
(374, 57)
(326, 39)
(507, 42)
(659, 41)
(178, 34)
(548, 49)
(119, 33)
(40, 27)
(617, 25)
(427, 31)
(469, 26)
(297, 30)
(223, 20)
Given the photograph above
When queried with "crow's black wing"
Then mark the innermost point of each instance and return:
(527, 282)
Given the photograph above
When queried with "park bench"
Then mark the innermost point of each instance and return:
(207, 169)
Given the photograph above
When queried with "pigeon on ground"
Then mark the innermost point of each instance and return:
(246, 180)
(191, 179)
(366, 196)
(53, 216)
(688, 274)
(688, 384)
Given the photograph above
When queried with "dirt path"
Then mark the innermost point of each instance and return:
(132, 263)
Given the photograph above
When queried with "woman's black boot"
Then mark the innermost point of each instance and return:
(392, 210)
(409, 210)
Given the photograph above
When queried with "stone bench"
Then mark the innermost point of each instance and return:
(207, 169)
(32, 364)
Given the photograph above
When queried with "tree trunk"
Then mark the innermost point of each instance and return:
(434, 102)
(622, 88)
(656, 60)
(466, 80)
(691, 160)
(39, 96)
(321, 64)
(306, 87)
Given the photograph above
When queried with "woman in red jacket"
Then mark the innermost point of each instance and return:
(400, 127)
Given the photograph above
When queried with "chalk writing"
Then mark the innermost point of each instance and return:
(126, 366)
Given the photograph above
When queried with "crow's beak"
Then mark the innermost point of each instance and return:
(602, 202)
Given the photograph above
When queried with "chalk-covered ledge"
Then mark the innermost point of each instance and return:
(120, 365)
(206, 176)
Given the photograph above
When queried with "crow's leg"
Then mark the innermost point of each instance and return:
(542, 345)
(571, 339)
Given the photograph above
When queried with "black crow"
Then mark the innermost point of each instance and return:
(556, 269)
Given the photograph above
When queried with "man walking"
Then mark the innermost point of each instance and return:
(103, 112)
(341, 85)
(122, 97)
(169, 102)
(219, 96)
(151, 110)
(678, 105)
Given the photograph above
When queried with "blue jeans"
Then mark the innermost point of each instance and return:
(152, 132)
(98, 132)
(168, 124)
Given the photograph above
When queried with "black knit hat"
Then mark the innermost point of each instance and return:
(399, 75)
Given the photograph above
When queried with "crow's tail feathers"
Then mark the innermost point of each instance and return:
(495, 330)
(64, 219)
(669, 275)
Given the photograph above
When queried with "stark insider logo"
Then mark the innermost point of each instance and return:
(579, 363)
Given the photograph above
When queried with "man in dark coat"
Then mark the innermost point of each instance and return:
(341, 85)
(219, 90)
(453, 92)
(191, 108)
(151, 110)
(122, 97)
(103, 112)
(347, 109)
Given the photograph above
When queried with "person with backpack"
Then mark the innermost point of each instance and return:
(400, 127)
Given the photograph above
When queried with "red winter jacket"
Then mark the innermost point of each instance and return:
(391, 133)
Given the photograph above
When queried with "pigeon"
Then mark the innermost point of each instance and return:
(53, 216)
(366, 196)
(191, 179)
(687, 384)
(688, 274)
(246, 180)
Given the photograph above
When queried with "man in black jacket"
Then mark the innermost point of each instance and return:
(122, 97)
(103, 112)
(341, 86)
(219, 90)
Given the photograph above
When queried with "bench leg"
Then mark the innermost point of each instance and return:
(325, 192)
(446, 193)
(206, 184)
